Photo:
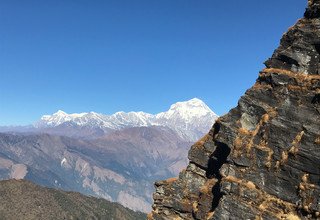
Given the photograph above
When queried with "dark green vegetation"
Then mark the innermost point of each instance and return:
(21, 199)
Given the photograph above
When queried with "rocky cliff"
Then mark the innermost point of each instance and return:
(262, 159)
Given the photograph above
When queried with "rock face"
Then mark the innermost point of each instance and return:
(262, 159)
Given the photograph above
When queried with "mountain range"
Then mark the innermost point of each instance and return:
(190, 120)
(116, 157)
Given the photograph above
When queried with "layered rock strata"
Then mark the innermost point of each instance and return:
(262, 159)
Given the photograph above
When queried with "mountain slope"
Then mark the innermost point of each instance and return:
(261, 160)
(120, 166)
(22, 199)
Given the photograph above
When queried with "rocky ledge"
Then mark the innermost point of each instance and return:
(262, 159)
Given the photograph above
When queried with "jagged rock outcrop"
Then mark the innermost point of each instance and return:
(262, 159)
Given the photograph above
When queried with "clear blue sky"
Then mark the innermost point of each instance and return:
(131, 55)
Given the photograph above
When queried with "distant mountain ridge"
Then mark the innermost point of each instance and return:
(121, 166)
(190, 119)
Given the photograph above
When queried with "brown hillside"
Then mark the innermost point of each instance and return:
(24, 200)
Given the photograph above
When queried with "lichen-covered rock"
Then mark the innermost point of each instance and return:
(262, 159)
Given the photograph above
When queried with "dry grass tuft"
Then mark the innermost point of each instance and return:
(247, 184)
(305, 177)
(284, 157)
(150, 216)
(265, 118)
(298, 76)
(237, 143)
(207, 187)
(298, 138)
(244, 131)
(259, 86)
(304, 82)
(210, 215)
(250, 185)
(195, 206)
(292, 216)
(171, 180)
(302, 187)
(294, 150)
(204, 139)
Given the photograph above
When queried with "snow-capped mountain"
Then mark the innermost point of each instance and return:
(116, 121)
(190, 119)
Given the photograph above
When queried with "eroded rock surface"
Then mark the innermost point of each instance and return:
(262, 159)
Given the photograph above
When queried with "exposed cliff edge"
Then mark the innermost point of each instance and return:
(262, 159)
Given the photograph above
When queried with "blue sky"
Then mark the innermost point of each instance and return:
(113, 55)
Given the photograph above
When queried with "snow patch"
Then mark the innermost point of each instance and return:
(63, 161)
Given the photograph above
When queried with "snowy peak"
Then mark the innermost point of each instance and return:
(132, 119)
(190, 119)
(193, 103)
(187, 110)
(58, 118)
(60, 112)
